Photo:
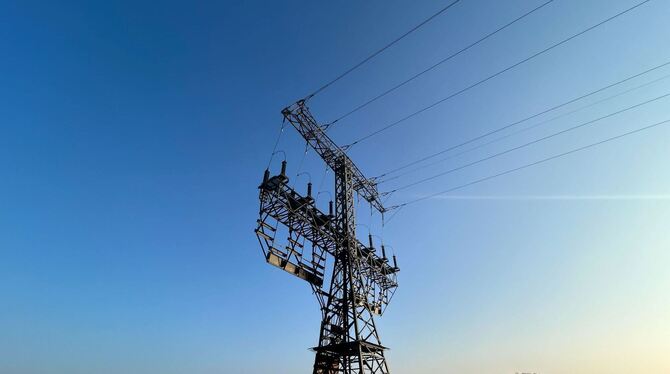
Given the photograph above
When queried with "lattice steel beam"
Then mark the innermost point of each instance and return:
(299, 116)
(362, 282)
(281, 204)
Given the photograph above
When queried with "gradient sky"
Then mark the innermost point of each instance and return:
(134, 134)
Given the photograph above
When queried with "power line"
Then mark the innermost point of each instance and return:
(522, 120)
(382, 49)
(274, 149)
(370, 101)
(392, 124)
(520, 130)
(531, 164)
(527, 144)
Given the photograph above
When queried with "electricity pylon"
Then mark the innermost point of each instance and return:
(362, 282)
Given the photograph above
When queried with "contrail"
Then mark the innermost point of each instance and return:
(553, 197)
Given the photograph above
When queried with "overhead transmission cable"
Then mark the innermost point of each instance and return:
(555, 45)
(497, 130)
(664, 122)
(526, 144)
(373, 55)
(500, 138)
(274, 149)
(464, 49)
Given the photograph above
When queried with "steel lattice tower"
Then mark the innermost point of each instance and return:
(362, 283)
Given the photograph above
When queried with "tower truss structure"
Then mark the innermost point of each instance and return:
(362, 282)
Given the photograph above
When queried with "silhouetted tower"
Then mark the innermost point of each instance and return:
(362, 282)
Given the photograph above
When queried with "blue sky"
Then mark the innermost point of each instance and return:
(134, 136)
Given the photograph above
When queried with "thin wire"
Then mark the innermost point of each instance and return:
(274, 149)
(370, 101)
(531, 164)
(371, 213)
(302, 160)
(522, 120)
(323, 179)
(528, 144)
(397, 209)
(381, 50)
(520, 131)
(392, 124)
(320, 189)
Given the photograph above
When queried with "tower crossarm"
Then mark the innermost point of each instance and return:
(376, 267)
(299, 214)
(301, 119)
